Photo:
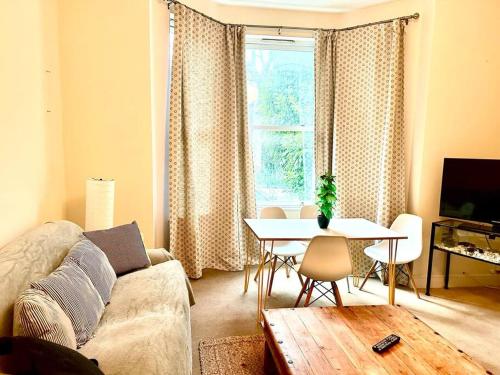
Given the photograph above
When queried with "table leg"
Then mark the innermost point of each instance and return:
(245, 281)
(389, 271)
(269, 271)
(393, 247)
(355, 280)
(260, 279)
(247, 273)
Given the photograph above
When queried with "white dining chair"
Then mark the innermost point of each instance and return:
(312, 212)
(327, 259)
(283, 251)
(407, 251)
(309, 212)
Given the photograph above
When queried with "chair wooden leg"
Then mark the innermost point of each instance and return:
(412, 281)
(348, 286)
(294, 260)
(273, 271)
(309, 294)
(287, 266)
(261, 266)
(368, 275)
(336, 294)
(300, 278)
(302, 291)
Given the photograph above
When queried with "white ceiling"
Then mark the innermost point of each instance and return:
(335, 6)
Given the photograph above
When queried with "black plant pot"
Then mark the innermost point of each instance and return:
(323, 221)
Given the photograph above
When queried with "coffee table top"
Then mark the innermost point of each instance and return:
(329, 340)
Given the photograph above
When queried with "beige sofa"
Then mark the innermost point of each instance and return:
(146, 327)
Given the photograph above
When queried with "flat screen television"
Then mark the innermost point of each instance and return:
(470, 190)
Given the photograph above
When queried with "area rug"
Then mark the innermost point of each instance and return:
(236, 355)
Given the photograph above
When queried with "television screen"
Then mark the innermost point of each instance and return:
(470, 189)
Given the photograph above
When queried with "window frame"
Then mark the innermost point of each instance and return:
(282, 43)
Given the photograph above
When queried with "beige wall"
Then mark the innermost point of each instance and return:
(159, 30)
(262, 16)
(105, 60)
(31, 149)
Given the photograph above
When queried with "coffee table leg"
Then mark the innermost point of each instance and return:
(269, 365)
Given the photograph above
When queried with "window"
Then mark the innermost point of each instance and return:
(280, 90)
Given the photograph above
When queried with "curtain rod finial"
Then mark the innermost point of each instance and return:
(416, 15)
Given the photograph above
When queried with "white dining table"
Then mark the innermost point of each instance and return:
(267, 231)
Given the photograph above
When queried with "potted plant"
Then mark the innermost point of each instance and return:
(327, 197)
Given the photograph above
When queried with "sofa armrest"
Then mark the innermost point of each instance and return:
(157, 256)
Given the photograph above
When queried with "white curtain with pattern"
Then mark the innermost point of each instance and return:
(210, 165)
(367, 151)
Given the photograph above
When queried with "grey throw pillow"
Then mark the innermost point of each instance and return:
(96, 266)
(123, 246)
(74, 293)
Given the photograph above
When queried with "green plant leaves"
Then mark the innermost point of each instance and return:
(326, 195)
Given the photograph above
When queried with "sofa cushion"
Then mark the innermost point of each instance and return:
(150, 313)
(73, 291)
(38, 315)
(123, 246)
(96, 266)
(28, 258)
(157, 256)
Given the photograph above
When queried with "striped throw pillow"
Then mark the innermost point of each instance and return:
(96, 266)
(73, 291)
(37, 315)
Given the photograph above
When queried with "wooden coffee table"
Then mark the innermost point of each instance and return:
(331, 340)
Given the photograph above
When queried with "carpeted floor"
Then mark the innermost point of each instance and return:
(235, 355)
(468, 317)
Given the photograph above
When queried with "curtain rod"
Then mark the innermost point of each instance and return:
(403, 18)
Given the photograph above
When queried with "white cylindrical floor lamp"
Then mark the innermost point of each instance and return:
(99, 204)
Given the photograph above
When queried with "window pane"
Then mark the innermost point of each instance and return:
(280, 87)
(283, 166)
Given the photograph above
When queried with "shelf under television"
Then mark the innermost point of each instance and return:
(487, 256)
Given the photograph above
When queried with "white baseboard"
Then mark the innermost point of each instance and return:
(459, 280)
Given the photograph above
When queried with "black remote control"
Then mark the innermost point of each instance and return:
(386, 343)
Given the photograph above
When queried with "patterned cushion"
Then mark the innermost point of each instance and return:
(28, 258)
(38, 315)
(123, 246)
(73, 291)
(96, 266)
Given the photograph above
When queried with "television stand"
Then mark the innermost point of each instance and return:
(465, 225)
(455, 237)
(496, 227)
